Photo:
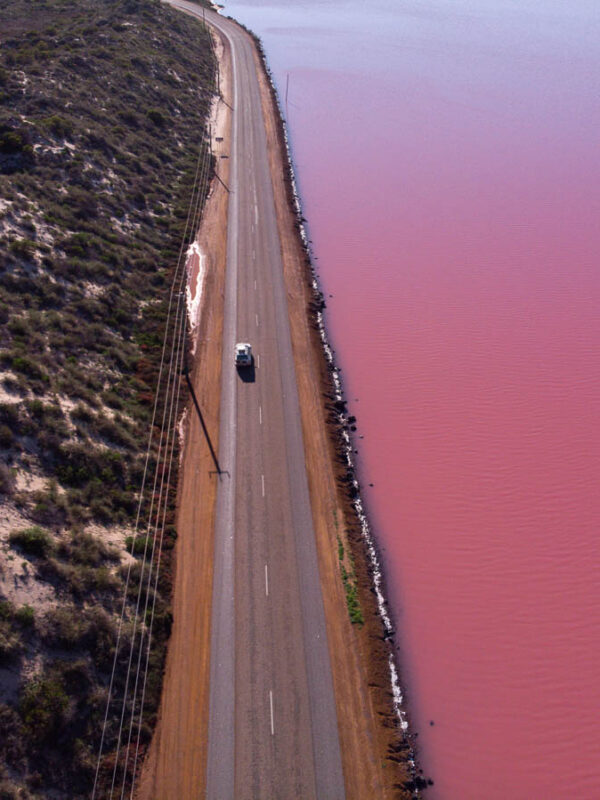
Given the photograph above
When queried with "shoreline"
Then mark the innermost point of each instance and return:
(377, 747)
(372, 582)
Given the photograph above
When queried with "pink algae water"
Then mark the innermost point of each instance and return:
(448, 159)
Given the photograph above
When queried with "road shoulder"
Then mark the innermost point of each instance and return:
(176, 763)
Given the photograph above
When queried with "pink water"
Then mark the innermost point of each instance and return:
(448, 156)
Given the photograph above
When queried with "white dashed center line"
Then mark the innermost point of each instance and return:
(262, 480)
(260, 414)
(272, 719)
(266, 580)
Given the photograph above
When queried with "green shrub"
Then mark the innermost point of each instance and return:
(7, 480)
(43, 708)
(101, 635)
(29, 367)
(9, 414)
(89, 550)
(156, 117)
(19, 327)
(77, 245)
(81, 414)
(67, 626)
(11, 741)
(12, 142)
(69, 577)
(10, 641)
(352, 600)
(58, 126)
(25, 616)
(46, 412)
(50, 508)
(23, 248)
(78, 465)
(34, 541)
(138, 545)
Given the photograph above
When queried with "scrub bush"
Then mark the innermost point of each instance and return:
(34, 541)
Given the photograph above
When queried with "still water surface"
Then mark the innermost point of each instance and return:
(448, 159)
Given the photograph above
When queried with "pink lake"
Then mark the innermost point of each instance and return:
(448, 158)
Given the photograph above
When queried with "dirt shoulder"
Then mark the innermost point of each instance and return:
(175, 766)
(376, 754)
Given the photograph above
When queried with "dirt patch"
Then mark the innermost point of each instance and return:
(175, 766)
(29, 481)
(377, 755)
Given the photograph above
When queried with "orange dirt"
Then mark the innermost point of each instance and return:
(175, 766)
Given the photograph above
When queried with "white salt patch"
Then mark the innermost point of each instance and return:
(194, 298)
(181, 433)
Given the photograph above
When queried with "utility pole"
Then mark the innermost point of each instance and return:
(186, 372)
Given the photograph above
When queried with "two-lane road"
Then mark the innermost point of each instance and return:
(272, 724)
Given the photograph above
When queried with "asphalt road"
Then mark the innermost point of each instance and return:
(272, 723)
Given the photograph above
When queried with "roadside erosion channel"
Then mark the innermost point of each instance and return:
(377, 753)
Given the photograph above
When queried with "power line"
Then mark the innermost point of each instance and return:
(164, 431)
(198, 192)
(163, 496)
(167, 430)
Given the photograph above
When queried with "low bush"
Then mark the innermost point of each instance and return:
(6, 436)
(90, 550)
(23, 248)
(43, 707)
(34, 541)
(65, 627)
(59, 126)
(76, 579)
(138, 545)
(10, 641)
(12, 750)
(9, 414)
(50, 508)
(25, 616)
(30, 368)
(7, 480)
(156, 117)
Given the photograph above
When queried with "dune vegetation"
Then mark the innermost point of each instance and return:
(103, 108)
